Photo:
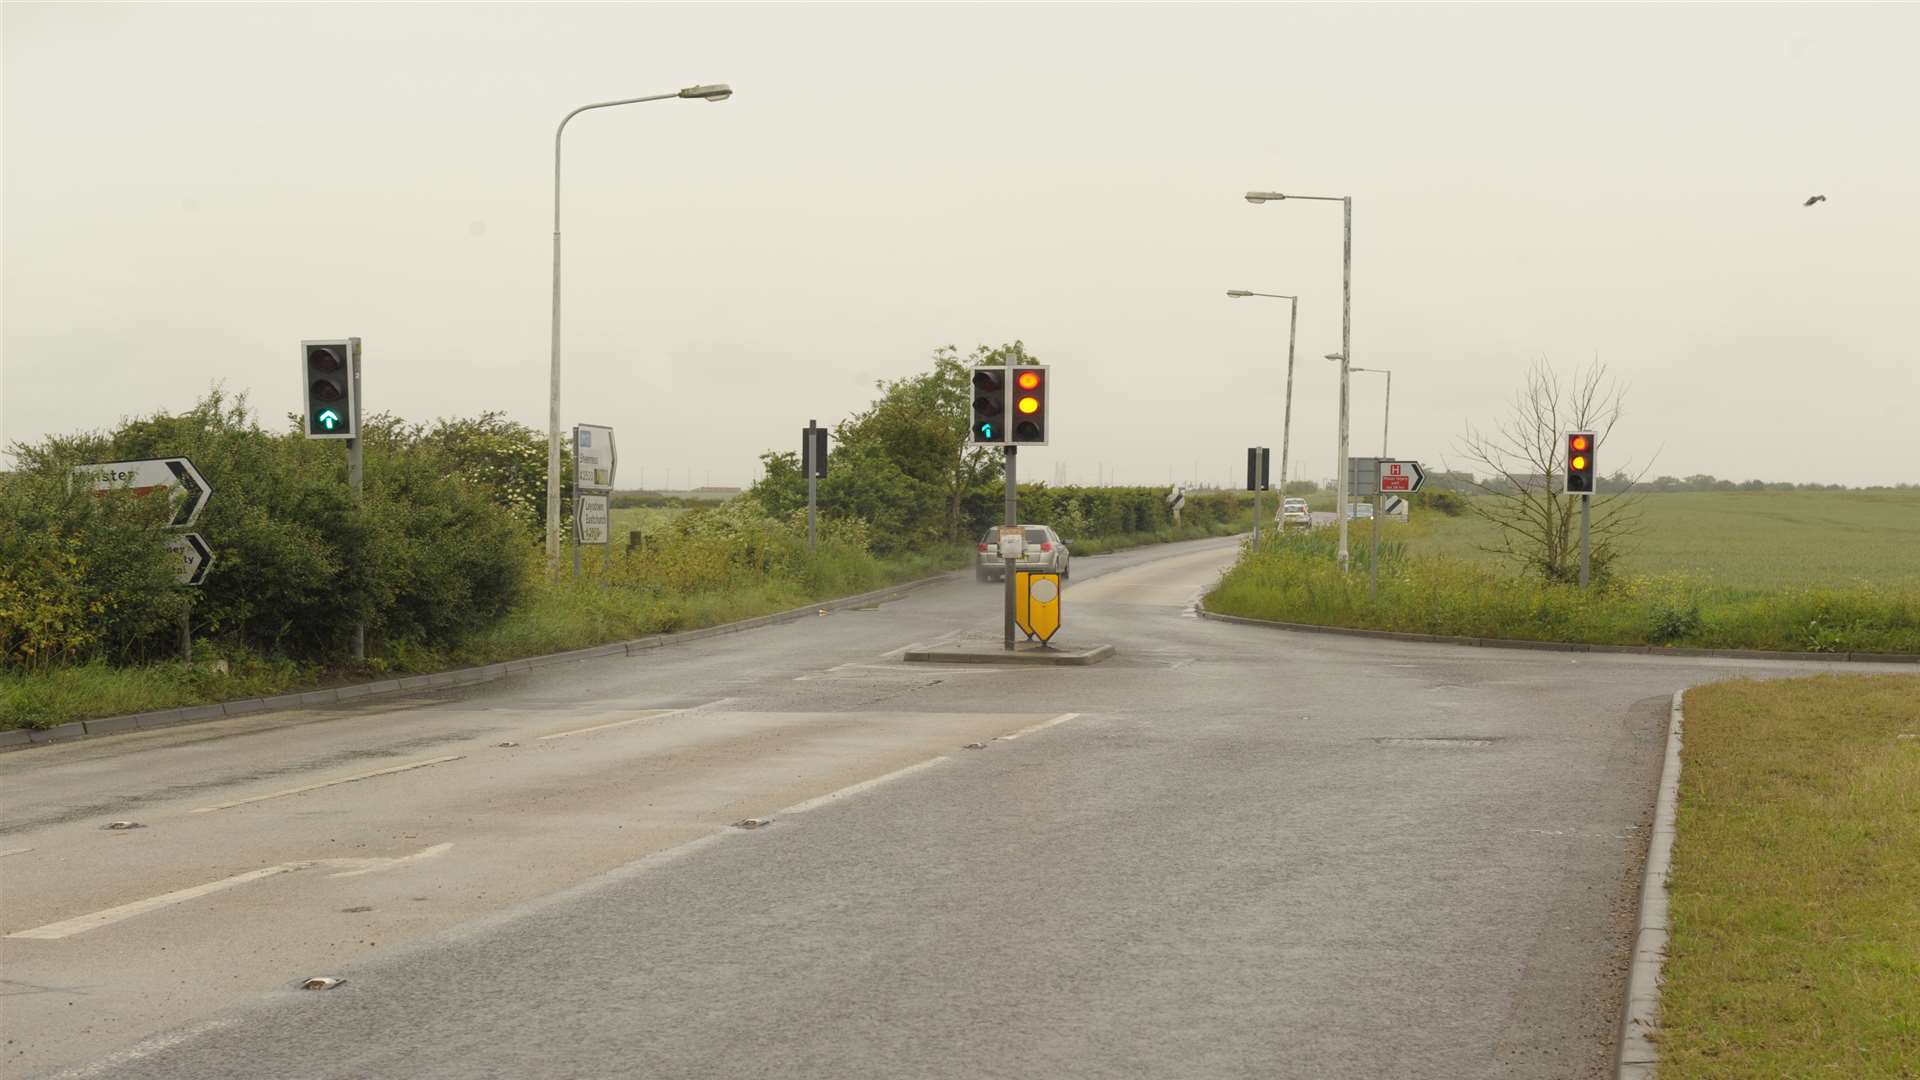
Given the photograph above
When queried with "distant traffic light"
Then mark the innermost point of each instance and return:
(990, 405)
(1580, 467)
(1029, 404)
(328, 370)
(813, 450)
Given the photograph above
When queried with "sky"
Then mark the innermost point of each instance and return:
(188, 191)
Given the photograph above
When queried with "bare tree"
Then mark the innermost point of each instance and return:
(1521, 461)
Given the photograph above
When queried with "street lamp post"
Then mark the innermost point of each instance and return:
(1386, 415)
(714, 92)
(1286, 419)
(1346, 336)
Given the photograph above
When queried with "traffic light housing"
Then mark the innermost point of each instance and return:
(1029, 416)
(331, 387)
(990, 406)
(1580, 466)
(1259, 468)
(813, 451)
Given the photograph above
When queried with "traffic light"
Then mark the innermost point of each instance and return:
(813, 450)
(330, 384)
(990, 405)
(1029, 405)
(1580, 468)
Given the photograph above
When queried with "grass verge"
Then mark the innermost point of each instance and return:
(554, 617)
(1294, 578)
(1107, 545)
(1796, 883)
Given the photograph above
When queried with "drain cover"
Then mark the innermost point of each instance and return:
(1438, 740)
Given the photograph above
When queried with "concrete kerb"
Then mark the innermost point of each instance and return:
(112, 725)
(1638, 1058)
(1562, 646)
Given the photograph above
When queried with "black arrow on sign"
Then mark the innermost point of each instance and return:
(194, 492)
(205, 555)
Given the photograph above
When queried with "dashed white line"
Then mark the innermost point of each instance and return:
(328, 783)
(14, 851)
(369, 866)
(854, 789)
(645, 714)
(83, 923)
(1042, 725)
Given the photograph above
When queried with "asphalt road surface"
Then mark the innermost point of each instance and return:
(1228, 852)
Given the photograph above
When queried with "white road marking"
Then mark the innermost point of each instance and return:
(903, 649)
(353, 868)
(83, 923)
(329, 783)
(1042, 725)
(119, 1059)
(645, 714)
(854, 789)
(369, 866)
(14, 851)
(914, 671)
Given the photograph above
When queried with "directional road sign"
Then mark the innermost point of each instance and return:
(590, 520)
(186, 490)
(195, 557)
(1404, 477)
(593, 458)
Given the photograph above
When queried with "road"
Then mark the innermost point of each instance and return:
(1227, 852)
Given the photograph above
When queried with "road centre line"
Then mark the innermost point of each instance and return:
(82, 923)
(645, 714)
(353, 867)
(328, 783)
(1042, 725)
(14, 851)
(854, 789)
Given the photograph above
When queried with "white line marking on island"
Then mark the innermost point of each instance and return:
(645, 714)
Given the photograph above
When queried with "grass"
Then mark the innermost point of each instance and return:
(566, 614)
(1796, 883)
(1433, 580)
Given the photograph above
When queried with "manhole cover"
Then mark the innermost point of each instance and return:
(1443, 741)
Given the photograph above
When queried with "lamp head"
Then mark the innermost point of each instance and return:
(1238, 293)
(711, 92)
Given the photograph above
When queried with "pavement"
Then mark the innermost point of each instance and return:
(1225, 852)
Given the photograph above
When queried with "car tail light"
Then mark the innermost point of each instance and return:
(983, 547)
(1046, 545)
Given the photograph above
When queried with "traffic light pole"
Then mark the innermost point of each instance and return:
(1013, 518)
(356, 474)
(1586, 508)
(813, 482)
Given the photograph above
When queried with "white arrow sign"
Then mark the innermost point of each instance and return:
(1404, 477)
(195, 557)
(186, 490)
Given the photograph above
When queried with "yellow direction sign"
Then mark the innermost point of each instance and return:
(1036, 604)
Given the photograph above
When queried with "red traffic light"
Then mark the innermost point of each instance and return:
(1579, 443)
(1029, 380)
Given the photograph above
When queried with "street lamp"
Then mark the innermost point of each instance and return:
(1387, 413)
(1346, 335)
(1286, 421)
(710, 92)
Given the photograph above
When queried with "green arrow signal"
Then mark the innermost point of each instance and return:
(328, 419)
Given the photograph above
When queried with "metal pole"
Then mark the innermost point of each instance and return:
(1373, 575)
(1586, 506)
(1286, 417)
(356, 475)
(1386, 415)
(1013, 518)
(186, 631)
(813, 468)
(576, 505)
(1346, 359)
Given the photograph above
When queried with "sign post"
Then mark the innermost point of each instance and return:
(1398, 477)
(594, 460)
(813, 462)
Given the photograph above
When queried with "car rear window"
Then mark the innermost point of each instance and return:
(1036, 536)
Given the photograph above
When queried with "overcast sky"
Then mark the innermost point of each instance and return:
(191, 190)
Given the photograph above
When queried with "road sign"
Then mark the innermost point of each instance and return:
(195, 557)
(1404, 477)
(593, 458)
(1038, 609)
(591, 524)
(1396, 507)
(1363, 475)
(1013, 541)
(185, 488)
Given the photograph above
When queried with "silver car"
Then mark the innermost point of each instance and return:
(1045, 553)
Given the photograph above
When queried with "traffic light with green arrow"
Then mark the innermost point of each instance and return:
(332, 387)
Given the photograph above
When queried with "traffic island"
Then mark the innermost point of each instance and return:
(1023, 652)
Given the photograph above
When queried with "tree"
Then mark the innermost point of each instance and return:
(1523, 460)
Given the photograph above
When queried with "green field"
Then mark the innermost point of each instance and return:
(1789, 571)
(1764, 539)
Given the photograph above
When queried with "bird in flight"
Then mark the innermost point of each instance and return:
(1814, 199)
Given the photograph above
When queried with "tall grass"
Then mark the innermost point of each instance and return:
(1294, 578)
